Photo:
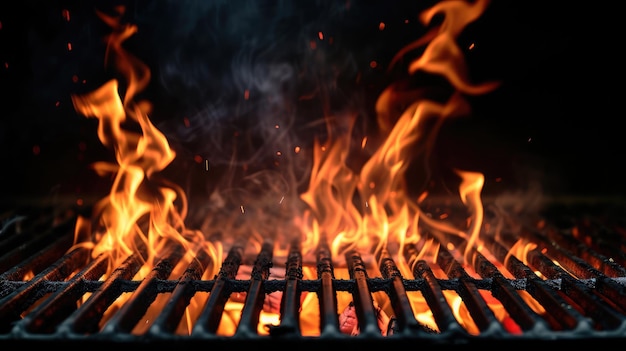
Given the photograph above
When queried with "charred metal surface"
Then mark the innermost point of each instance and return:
(290, 302)
(63, 302)
(87, 318)
(580, 294)
(604, 236)
(133, 309)
(561, 317)
(481, 313)
(580, 298)
(12, 305)
(581, 269)
(173, 311)
(363, 302)
(209, 319)
(329, 323)
(32, 248)
(585, 251)
(433, 293)
(502, 289)
(404, 316)
(256, 293)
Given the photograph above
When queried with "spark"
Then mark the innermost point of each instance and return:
(472, 45)
(422, 197)
(242, 210)
(206, 165)
(381, 26)
(320, 35)
(363, 142)
(281, 200)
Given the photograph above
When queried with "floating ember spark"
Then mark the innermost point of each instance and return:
(369, 209)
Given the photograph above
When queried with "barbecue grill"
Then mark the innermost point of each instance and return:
(583, 295)
(557, 272)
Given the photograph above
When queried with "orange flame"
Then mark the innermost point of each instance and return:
(141, 209)
(369, 210)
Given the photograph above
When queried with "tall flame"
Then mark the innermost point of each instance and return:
(142, 212)
(371, 210)
(384, 212)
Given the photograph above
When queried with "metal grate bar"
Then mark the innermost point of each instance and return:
(173, 311)
(398, 296)
(577, 291)
(12, 305)
(578, 298)
(290, 302)
(502, 289)
(46, 317)
(209, 319)
(433, 293)
(133, 309)
(33, 245)
(609, 239)
(256, 292)
(614, 291)
(481, 313)
(363, 302)
(581, 251)
(329, 323)
(560, 317)
(86, 319)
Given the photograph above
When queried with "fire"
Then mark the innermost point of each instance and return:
(369, 210)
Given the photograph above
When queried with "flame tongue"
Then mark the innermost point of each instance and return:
(141, 209)
(369, 211)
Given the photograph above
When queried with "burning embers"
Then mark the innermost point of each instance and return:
(355, 254)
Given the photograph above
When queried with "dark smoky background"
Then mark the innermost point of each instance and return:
(235, 82)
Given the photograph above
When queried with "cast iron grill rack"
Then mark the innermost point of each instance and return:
(574, 271)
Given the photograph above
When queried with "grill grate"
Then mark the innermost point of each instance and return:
(583, 295)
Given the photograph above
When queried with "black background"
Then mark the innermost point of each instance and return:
(555, 120)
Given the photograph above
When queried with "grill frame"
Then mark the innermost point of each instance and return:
(48, 243)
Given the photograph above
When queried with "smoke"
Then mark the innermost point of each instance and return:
(239, 69)
(243, 88)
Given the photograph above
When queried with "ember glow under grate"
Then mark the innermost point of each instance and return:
(577, 290)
